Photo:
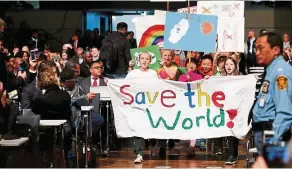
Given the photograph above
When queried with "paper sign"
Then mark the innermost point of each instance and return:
(153, 51)
(221, 8)
(190, 32)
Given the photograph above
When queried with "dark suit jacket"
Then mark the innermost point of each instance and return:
(133, 42)
(32, 44)
(29, 95)
(54, 104)
(84, 70)
(80, 43)
(86, 83)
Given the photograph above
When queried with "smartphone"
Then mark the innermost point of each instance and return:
(276, 156)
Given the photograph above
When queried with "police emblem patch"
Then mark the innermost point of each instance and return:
(282, 82)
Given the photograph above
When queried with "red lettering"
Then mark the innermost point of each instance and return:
(127, 94)
(167, 97)
(218, 96)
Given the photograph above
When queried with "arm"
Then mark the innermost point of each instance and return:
(26, 99)
(127, 51)
(283, 103)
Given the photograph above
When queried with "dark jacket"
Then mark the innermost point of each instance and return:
(86, 83)
(54, 104)
(29, 95)
(124, 55)
(84, 70)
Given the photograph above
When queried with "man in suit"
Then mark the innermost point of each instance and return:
(133, 41)
(35, 42)
(286, 41)
(76, 42)
(251, 58)
(84, 66)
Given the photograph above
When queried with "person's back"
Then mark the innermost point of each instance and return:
(121, 48)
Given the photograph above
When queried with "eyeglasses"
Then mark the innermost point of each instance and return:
(98, 67)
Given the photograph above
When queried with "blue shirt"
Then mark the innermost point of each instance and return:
(274, 101)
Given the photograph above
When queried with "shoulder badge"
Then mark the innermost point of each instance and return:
(282, 82)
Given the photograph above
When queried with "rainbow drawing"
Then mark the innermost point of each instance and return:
(152, 36)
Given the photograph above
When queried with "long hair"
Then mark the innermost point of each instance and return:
(236, 69)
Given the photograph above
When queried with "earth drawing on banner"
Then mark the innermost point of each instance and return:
(187, 32)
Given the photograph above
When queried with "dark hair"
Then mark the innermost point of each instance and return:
(23, 52)
(221, 58)
(67, 74)
(70, 64)
(42, 57)
(274, 39)
(97, 61)
(193, 60)
(262, 31)
(122, 25)
(46, 65)
(207, 57)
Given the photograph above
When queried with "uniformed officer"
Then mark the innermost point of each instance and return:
(273, 108)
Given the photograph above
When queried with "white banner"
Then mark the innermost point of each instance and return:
(154, 108)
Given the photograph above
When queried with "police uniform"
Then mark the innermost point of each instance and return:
(273, 108)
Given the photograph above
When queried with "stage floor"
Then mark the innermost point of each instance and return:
(202, 159)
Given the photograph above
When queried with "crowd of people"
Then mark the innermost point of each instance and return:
(51, 83)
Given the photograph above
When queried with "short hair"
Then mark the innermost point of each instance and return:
(46, 65)
(67, 74)
(145, 53)
(207, 56)
(70, 64)
(262, 31)
(193, 60)
(97, 61)
(122, 25)
(274, 39)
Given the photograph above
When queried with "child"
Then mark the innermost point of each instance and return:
(206, 66)
(144, 72)
(168, 70)
(231, 69)
(191, 69)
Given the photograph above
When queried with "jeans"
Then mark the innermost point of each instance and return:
(97, 122)
(138, 145)
(116, 76)
(258, 141)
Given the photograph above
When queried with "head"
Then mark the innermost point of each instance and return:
(73, 66)
(25, 49)
(262, 31)
(87, 57)
(2, 25)
(96, 31)
(15, 49)
(94, 52)
(206, 63)
(251, 34)
(79, 51)
(144, 60)
(17, 62)
(130, 35)
(122, 27)
(47, 79)
(268, 46)
(192, 65)
(35, 34)
(167, 56)
(96, 68)
(10, 63)
(25, 56)
(220, 62)
(68, 78)
(74, 37)
(43, 65)
(64, 56)
(286, 37)
(230, 66)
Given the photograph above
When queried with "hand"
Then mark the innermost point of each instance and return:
(91, 95)
(188, 77)
(22, 74)
(3, 99)
(206, 77)
(131, 63)
(288, 52)
(161, 62)
(33, 63)
(260, 163)
(106, 80)
(5, 51)
(1, 87)
(217, 53)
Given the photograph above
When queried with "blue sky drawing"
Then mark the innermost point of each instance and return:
(194, 39)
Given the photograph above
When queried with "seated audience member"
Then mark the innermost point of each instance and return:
(168, 70)
(84, 66)
(191, 74)
(206, 66)
(94, 53)
(96, 78)
(68, 81)
(78, 57)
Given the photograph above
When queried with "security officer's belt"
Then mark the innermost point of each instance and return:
(261, 126)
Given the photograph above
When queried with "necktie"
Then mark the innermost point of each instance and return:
(94, 82)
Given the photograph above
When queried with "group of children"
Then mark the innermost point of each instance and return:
(198, 67)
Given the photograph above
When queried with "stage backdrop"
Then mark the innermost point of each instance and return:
(154, 108)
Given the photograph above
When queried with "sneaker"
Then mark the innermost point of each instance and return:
(219, 153)
(230, 161)
(139, 159)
